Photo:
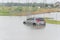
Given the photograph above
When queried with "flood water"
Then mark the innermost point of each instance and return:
(12, 28)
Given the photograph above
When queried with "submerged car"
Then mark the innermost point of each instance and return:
(35, 21)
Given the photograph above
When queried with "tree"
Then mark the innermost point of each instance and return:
(33, 5)
(46, 5)
(52, 5)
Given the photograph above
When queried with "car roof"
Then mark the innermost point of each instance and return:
(35, 17)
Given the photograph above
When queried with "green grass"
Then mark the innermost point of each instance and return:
(19, 10)
(52, 21)
(4, 10)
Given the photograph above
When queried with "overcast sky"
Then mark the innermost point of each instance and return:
(30, 1)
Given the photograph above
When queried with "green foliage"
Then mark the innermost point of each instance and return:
(46, 5)
(19, 9)
(52, 21)
(52, 5)
(34, 9)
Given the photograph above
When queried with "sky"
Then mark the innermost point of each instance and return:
(30, 1)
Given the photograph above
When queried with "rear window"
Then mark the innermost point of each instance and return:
(41, 19)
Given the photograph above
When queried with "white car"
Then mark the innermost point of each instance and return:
(35, 21)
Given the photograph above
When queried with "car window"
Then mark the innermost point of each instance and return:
(30, 19)
(41, 19)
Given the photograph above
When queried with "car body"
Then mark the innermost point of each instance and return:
(35, 21)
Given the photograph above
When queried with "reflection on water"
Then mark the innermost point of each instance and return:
(36, 26)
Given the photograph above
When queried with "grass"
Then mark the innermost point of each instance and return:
(16, 10)
(52, 21)
(22, 11)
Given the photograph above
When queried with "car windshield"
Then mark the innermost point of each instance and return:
(30, 19)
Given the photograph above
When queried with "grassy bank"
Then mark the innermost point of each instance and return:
(22, 11)
(52, 21)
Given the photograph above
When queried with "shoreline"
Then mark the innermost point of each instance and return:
(39, 11)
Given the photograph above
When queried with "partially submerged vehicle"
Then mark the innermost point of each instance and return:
(35, 21)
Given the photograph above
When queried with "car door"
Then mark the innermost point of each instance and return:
(30, 20)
